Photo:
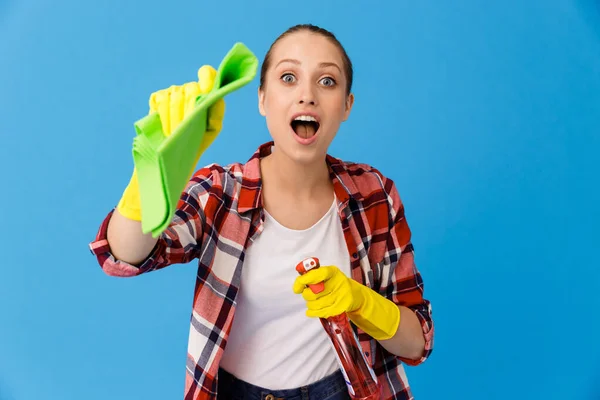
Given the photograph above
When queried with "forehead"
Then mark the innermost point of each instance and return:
(308, 48)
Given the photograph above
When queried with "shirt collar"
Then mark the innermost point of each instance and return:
(250, 193)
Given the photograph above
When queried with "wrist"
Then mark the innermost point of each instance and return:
(359, 295)
(377, 315)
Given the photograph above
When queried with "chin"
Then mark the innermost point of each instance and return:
(306, 154)
(304, 157)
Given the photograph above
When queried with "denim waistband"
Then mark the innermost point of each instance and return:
(330, 387)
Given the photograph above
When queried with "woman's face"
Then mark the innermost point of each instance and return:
(304, 96)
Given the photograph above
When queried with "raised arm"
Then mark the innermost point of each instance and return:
(120, 242)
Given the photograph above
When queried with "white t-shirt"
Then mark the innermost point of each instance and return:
(273, 344)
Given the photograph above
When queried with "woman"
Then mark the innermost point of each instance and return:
(250, 224)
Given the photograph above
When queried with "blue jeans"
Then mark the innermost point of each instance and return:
(331, 387)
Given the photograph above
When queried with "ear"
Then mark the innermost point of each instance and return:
(261, 102)
(348, 107)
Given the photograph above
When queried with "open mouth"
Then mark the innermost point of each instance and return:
(305, 126)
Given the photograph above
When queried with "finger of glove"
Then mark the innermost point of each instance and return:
(152, 102)
(322, 313)
(191, 91)
(206, 78)
(314, 276)
(310, 278)
(176, 107)
(309, 295)
(162, 107)
(319, 302)
(338, 306)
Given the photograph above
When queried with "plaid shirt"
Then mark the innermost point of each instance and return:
(219, 215)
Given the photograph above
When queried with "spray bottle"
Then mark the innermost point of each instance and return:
(358, 374)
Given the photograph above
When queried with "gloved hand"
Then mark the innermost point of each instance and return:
(370, 311)
(173, 105)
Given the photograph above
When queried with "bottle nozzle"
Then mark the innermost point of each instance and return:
(306, 265)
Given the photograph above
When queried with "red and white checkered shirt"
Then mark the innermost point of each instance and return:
(218, 216)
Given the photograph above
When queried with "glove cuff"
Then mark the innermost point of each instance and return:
(130, 206)
(378, 316)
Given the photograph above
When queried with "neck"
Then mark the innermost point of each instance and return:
(293, 178)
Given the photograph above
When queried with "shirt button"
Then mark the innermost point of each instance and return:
(355, 255)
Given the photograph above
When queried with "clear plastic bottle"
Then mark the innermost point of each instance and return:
(360, 378)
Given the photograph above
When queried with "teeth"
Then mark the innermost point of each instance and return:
(305, 118)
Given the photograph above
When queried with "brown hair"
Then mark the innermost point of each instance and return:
(317, 30)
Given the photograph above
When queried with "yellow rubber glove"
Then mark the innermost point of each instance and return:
(370, 311)
(173, 106)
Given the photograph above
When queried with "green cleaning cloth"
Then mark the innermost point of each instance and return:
(165, 164)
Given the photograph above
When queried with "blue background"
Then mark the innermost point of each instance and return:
(484, 113)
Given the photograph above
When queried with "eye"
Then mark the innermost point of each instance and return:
(288, 78)
(327, 81)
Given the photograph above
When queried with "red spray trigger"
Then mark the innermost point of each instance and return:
(306, 265)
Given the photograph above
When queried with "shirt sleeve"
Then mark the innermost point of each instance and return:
(178, 244)
(404, 285)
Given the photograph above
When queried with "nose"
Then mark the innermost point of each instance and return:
(307, 95)
(306, 100)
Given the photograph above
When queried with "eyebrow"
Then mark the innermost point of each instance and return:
(322, 65)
